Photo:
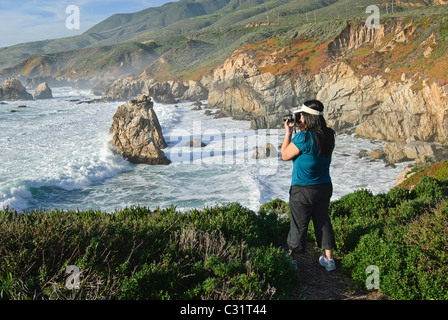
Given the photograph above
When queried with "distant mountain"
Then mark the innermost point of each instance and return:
(189, 34)
(169, 19)
(104, 61)
(122, 27)
(116, 29)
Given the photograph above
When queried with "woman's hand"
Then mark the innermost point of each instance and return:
(289, 150)
(289, 127)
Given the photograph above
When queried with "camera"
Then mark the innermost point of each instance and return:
(289, 117)
(292, 117)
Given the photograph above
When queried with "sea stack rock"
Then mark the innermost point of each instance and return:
(43, 91)
(13, 90)
(268, 151)
(137, 133)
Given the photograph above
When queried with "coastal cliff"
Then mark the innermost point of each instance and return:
(363, 91)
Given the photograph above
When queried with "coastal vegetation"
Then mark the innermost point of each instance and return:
(222, 252)
(227, 251)
(402, 232)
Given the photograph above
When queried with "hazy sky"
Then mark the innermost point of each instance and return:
(32, 20)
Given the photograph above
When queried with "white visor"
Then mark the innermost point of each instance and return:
(306, 109)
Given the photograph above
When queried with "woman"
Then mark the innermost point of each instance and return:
(311, 188)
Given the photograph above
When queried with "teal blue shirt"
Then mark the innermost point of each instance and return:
(309, 168)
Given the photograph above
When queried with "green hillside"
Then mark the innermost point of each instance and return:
(193, 35)
(116, 29)
(90, 62)
(121, 27)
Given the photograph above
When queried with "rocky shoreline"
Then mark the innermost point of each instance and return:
(13, 90)
(394, 151)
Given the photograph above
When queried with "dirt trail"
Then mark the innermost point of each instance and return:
(316, 283)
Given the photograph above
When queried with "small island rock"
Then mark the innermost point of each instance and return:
(137, 134)
(195, 143)
(43, 91)
(13, 90)
(268, 151)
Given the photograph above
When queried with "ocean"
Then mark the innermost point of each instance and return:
(56, 154)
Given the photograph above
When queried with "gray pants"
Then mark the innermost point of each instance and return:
(306, 203)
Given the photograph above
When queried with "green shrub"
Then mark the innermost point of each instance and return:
(429, 235)
(391, 258)
(275, 266)
(136, 253)
(431, 188)
(156, 280)
(239, 222)
(277, 206)
(397, 195)
(410, 258)
(225, 251)
(407, 210)
(360, 203)
(404, 233)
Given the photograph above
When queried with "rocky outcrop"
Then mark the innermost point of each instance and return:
(13, 90)
(413, 122)
(43, 91)
(101, 87)
(160, 91)
(240, 89)
(403, 175)
(195, 143)
(355, 35)
(197, 106)
(370, 106)
(137, 134)
(414, 150)
(376, 108)
(53, 82)
(123, 89)
(268, 151)
(164, 92)
(406, 113)
(195, 90)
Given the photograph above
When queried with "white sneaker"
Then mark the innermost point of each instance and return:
(328, 264)
(293, 262)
